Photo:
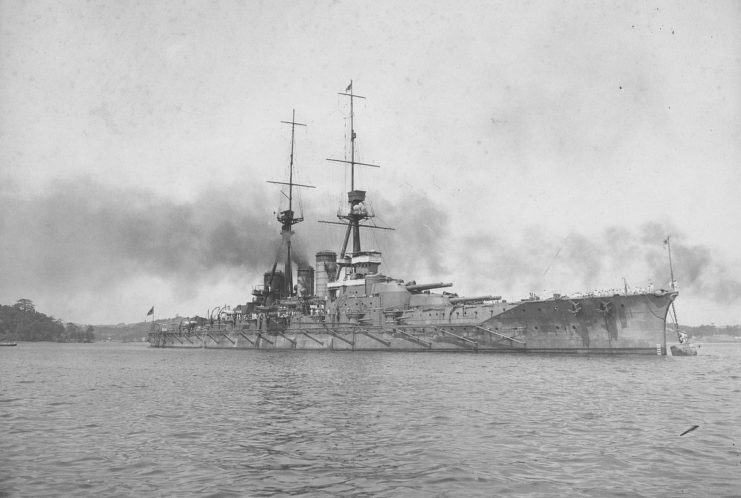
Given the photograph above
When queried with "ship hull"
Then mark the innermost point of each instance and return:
(617, 324)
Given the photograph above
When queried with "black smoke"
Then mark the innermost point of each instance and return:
(85, 235)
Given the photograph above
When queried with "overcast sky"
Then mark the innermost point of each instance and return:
(525, 147)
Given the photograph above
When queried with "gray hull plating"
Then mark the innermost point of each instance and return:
(618, 324)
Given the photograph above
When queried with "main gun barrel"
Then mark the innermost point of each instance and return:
(458, 300)
(424, 287)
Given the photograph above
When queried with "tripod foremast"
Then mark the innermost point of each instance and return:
(358, 210)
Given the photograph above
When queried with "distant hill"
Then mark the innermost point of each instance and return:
(129, 332)
(123, 332)
(710, 333)
(22, 322)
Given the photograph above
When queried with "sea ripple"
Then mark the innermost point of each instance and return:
(122, 420)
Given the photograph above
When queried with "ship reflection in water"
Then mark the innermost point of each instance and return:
(345, 303)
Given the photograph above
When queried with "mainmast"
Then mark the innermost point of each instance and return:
(356, 198)
(287, 218)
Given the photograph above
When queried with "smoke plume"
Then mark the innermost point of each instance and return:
(86, 235)
(536, 258)
(83, 236)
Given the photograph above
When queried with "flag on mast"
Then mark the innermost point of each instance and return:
(151, 311)
(349, 87)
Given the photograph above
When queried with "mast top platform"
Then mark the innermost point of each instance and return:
(356, 196)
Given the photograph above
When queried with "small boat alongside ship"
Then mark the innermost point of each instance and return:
(8, 340)
(345, 303)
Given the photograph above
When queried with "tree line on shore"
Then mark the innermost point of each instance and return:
(21, 322)
(712, 330)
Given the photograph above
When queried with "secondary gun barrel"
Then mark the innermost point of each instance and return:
(457, 300)
(424, 287)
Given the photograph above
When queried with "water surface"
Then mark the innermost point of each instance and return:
(113, 419)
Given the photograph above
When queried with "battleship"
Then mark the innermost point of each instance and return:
(345, 303)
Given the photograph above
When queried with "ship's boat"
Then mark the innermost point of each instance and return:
(346, 303)
(683, 349)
